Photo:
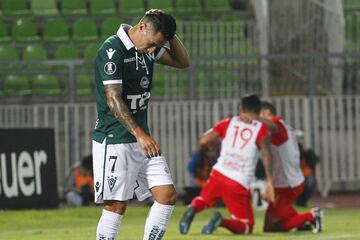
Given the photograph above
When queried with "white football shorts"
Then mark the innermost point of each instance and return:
(120, 170)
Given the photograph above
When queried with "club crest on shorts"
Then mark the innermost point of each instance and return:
(110, 68)
(111, 181)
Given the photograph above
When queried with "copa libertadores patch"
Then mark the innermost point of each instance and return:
(110, 68)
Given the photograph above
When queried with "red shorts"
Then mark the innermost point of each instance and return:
(283, 208)
(237, 198)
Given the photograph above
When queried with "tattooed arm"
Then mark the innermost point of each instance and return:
(124, 116)
(269, 194)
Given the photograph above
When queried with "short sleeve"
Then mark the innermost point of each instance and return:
(221, 127)
(263, 132)
(109, 62)
(159, 52)
(281, 136)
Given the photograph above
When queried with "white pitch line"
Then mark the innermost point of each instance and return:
(344, 236)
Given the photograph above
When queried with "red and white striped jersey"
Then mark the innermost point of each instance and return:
(286, 170)
(239, 149)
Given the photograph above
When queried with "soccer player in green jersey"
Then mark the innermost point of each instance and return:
(127, 159)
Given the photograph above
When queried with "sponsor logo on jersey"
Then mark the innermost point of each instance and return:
(127, 60)
(110, 68)
(144, 82)
(110, 52)
(138, 100)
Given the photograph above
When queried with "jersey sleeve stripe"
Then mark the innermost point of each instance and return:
(221, 127)
(107, 82)
(160, 53)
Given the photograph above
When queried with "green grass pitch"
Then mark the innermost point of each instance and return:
(80, 223)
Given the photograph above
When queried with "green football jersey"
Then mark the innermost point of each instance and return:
(118, 62)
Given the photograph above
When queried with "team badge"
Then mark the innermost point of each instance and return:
(110, 68)
(144, 82)
(111, 182)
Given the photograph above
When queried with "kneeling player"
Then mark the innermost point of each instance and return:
(231, 175)
(287, 177)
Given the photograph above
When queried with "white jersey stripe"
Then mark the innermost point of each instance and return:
(107, 82)
(160, 53)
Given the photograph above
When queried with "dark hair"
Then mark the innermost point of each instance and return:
(161, 22)
(268, 106)
(251, 103)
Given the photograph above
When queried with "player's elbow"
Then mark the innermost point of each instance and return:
(184, 65)
(203, 142)
(110, 101)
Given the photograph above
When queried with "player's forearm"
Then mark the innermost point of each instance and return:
(179, 52)
(209, 139)
(266, 158)
(271, 126)
(119, 109)
(267, 167)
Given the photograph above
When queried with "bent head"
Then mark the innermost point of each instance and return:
(153, 31)
(268, 111)
(251, 105)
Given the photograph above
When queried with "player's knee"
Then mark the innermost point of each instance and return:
(166, 195)
(171, 198)
(115, 206)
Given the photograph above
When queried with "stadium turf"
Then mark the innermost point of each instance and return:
(80, 223)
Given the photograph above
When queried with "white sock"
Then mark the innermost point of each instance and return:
(157, 221)
(108, 225)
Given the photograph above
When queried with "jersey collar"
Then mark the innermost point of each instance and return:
(121, 33)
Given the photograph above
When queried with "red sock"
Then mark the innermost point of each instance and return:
(297, 220)
(236, 226)
(198, 204)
